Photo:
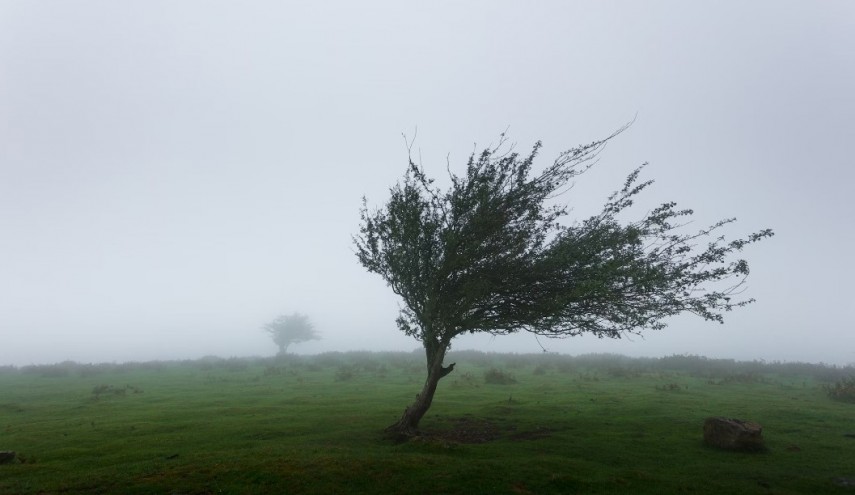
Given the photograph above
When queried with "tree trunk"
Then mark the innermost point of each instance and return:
(407, 426)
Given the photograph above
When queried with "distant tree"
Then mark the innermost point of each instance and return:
(291, 329)
(489, 254)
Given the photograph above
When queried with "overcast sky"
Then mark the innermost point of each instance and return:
(175, 174)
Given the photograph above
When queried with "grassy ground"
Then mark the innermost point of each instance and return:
(313, 425)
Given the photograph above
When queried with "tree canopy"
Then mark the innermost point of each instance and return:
(291, 329)
(493, 253)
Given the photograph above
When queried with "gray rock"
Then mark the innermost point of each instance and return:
(844, 482)
(733, 434)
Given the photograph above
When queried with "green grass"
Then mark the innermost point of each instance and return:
(305, 426)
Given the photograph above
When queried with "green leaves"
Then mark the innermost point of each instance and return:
(488, 254)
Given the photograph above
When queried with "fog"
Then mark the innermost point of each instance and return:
(173, 175)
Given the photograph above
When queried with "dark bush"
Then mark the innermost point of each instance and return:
(669, 387)
(495, 376)
(466, 379)
(274, 370)
(110, 390)
(842, 390)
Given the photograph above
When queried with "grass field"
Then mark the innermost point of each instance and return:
(590, 424)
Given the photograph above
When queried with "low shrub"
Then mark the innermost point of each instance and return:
(100, 390)
(842, 390)
(495, 376)
(589, 377)
(466, 379)
(274, 370)
(615, 372)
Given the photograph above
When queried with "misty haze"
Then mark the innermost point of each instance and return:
(388, 247)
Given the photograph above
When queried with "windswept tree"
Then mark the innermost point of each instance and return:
(491, 254)
(291, 329)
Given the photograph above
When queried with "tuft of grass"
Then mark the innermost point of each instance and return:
(670, 387)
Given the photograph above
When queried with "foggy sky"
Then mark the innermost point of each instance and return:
(173, 175)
